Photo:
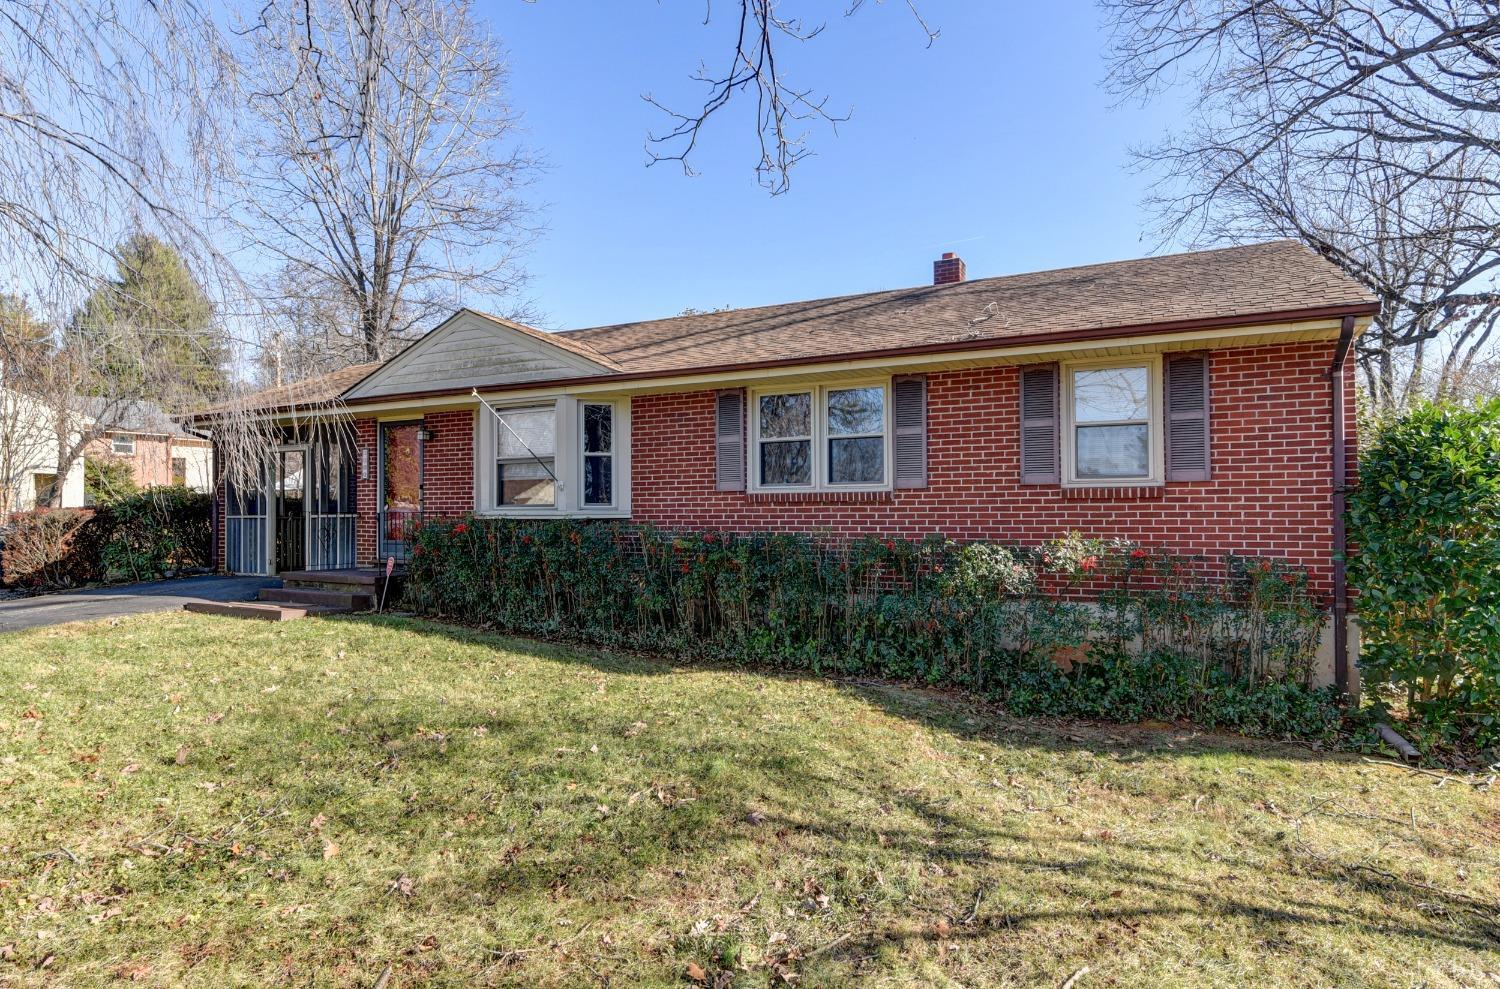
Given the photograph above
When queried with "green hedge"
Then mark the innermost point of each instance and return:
(1227, 644)
(1425, 521)
(139, 537)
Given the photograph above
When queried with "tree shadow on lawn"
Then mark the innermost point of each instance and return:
(947, 709)
(1113, 881)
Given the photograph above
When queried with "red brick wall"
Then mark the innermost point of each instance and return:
(447, 472)
(1270, 493)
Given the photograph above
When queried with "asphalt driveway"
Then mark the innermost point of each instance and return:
(125, 599)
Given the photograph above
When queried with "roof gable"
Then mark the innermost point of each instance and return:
(472, 348)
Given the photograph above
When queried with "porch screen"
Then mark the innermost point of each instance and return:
(245, 525)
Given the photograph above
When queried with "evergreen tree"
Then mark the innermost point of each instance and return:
(24, 338)
(151, 330)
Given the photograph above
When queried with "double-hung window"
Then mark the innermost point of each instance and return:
(1112, 430)
(598, 455)
(856, 435)
(831, 437)
(525, 457)
(560, 457)
(785, 439)
(123, 444)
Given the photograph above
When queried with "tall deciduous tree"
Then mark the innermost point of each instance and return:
(1371, 131)
(151, 329)
(383, 167)
(111, 118)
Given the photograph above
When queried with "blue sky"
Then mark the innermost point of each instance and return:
(997, 142)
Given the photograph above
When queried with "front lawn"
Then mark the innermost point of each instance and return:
(206, 802)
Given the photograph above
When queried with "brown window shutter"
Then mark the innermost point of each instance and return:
(729, 440)
(1040, 459)
(1187, 417)
(909, 415)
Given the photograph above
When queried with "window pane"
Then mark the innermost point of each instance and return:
(1112, 451)
(786, 415)
(1111, 394)
(856, 410)
(525, 483)
(598, 480)
(598, 428)
(786, 462)
(532, 428)
(860, 461)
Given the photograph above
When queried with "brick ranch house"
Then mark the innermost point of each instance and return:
(157, 450)
(1200, 403)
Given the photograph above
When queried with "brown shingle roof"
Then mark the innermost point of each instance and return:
(1236, 281)
(1248, 281)
(304, 394)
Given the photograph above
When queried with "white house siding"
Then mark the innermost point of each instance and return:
(198, 464)
(28, 453)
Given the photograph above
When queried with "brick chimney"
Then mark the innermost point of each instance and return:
(948, 270)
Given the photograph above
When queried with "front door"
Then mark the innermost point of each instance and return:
(291, 509)
(400, 485)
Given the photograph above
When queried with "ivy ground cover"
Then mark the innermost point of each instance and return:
(191, 801)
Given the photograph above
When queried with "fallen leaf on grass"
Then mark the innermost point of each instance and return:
(31, 714)
(330, 849)
(182, 755)
(695, 972)
(133, 971)
(130, 767)
(316, 824)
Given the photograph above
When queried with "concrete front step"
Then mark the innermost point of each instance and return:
(246, 609)
(347, 599)
(368, 580)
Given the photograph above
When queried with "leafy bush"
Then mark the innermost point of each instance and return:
(1233, 650)
(46, 548)
(141, 537)
(1426, 523)
(107, 480)
(147, 535)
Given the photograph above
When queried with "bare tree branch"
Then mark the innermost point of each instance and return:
(780, 107)
(1369, 131)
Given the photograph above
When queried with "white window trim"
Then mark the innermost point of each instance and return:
(115, 441)
(1156, 457)
(567, 460)
(819, 441)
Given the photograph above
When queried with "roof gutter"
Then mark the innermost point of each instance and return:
(1340, 533)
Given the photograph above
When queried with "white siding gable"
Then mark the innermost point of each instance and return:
(471, 350)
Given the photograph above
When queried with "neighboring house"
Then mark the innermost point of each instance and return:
(158, 449)
(1200, 403)
(29, 456)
